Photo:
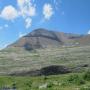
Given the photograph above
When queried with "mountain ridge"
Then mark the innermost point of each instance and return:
(42, 38)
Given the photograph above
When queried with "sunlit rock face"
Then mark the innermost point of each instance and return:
(43, 38)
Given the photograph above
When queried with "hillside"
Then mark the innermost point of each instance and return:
(42, 38)
(42, 48)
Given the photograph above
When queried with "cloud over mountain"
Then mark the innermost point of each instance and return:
(9, 13)
(26, 8)
(47, 11)
(28, 22)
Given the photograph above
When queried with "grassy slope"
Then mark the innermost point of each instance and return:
(17, 59)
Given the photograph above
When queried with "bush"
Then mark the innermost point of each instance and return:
(28, 84)
(45, 78)
(87, 76)
(50, 85)
(85, 88)
(75, 79)
(65, 84)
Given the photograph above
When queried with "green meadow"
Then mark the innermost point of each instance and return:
(74, 81)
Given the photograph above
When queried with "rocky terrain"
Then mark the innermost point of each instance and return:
(42, 38)
(43, 49)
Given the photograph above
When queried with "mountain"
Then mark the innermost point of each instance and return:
(46, 50)
(85, 40)
(42, 38)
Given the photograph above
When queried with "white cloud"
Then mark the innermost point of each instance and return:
(26, 8)
(9, 13)
(28, 22)
(32, 11)
(21, 34)
(89, 32)
(21, 3)
(47, 11)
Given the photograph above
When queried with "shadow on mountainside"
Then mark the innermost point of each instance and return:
(49, 70)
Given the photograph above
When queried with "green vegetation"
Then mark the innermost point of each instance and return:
(20, 60)
(57, 82)
(85, 88)
(87, 76)
(76, 79)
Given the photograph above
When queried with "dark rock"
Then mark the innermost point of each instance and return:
(54, 70)
(28, 73)
(49, 70)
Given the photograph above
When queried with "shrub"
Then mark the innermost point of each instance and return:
(28, 84)
(87, 76)
(50, 85)
(45, 78)
(64, 83)
(85, 88)
(75, 79)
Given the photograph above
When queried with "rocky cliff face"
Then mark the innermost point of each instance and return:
(42, 38)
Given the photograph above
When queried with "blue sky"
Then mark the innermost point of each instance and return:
(19, 17)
